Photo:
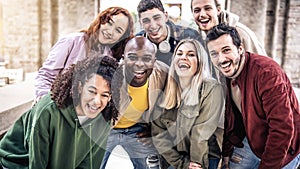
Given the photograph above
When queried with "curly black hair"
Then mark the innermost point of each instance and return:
(64, 89)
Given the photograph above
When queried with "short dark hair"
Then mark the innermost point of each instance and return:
(217, 3)
(145, 5)
(222, 29)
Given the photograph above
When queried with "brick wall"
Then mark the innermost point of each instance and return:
(31, 27)
(20, 32)
(255, 10)
(75, 15)
(292, 53)
(276, 24)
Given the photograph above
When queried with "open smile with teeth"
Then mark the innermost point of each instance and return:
(93, 108)
(154, 32)
(204, 21)
(225, 65)
(184, 66)
(139, 74)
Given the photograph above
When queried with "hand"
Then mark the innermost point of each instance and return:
(194, 165)
(145, 136)
(225, 163)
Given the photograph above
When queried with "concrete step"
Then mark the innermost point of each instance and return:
(15, 99)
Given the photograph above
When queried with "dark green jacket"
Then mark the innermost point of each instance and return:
(48, 137)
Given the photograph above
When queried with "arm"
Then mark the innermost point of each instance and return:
(54, 63)
(212, 105)
(163, 131)
(273, 89)
(39, 141)
(250, 40)
(227, 146)
(233, 129)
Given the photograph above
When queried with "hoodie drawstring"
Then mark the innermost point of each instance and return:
(91, 150)
(75, 145)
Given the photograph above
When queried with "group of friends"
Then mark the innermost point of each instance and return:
(173, 97)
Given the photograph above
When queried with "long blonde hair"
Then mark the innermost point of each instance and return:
(173, 93)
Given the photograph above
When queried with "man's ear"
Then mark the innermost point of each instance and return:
(241, 49)
(167, 15)
(219, 9)
(80, 88)
(141, 24)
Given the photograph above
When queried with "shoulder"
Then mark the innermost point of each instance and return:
(182, 32)
(72, 37)
(262, 62)
(244, 30)
(262, 67)
(160, 72)
(76, 35)
(181, 29)
(46, 104)
(230, 18)
(160, 67)
(249, 39)
(189, 32)
(210, 85)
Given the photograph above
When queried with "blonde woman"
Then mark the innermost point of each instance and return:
(188, 113)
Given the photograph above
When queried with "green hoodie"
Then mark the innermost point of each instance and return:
(49, 137)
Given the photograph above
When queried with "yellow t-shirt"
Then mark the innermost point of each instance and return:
(136, 108)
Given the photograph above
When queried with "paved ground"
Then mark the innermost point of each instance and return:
(118, 158)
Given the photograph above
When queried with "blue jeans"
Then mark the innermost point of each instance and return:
(213, 163)
(141, 156)
(294, 163)
(244, 158)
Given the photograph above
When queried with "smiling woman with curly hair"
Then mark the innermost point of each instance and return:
(67, 128)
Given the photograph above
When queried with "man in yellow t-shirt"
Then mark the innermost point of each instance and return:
(138, 105)
(144, 79)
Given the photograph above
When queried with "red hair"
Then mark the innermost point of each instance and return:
(103, 18)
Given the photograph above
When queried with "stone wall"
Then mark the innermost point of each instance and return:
(276, 24)
(291, 54)
(20, 33)
(254, 11)
(31, 27)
